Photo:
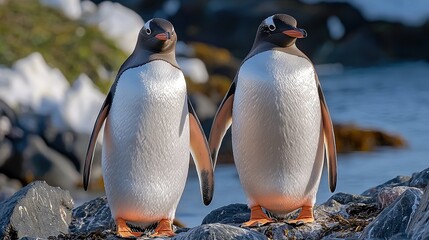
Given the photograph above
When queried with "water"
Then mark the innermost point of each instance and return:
(393, 98)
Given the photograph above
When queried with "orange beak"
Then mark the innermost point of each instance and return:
(296, 33)
(163, 36)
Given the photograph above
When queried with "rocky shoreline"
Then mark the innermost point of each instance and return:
(396, 209)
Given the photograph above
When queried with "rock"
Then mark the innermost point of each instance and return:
(388, 195)
(231, 214)
(343, 215)
(420, 179)
(418, 226)
(8, 187)
(352, 138)
(397, 181)
(219, 231)
(43, 163)
(395, 218)
(37, 210)
(117, 22)
(92, 216)
(6, 151)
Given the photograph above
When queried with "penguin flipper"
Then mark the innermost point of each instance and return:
(329, 139)
(221, 122)
(201, 155)
(104, 111)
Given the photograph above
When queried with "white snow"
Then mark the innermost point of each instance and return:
(412, 13)
(335, 27)
(70, 8)
(194, 68)
(81, 105)
(118, 23)
(33, 84)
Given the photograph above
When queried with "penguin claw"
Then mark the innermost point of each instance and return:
(163, 229)
(305, 216)
(257, 218)
(124, 231)
(256, 222)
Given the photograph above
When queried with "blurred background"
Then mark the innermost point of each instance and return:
(58, 59)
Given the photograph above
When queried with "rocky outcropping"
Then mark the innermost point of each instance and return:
(37, 210)
(396, 209)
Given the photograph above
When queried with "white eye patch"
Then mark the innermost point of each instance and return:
(269, 21)
(147, 27)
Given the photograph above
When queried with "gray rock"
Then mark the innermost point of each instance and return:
(420, 179)
(397, 181)
(43, 163)
(8, 187)
(219, 231)
(388, 195)
(37, 210)
(395, 218)
(6, 150)
(231, 214)
(342, 216)
(92, 216)
(418, 227)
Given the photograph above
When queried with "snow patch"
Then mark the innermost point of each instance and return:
(118, 23)
(194, 68)
(71, 8)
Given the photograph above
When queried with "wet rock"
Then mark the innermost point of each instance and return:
(420, 179)
(92, 216)
(219, 231)
(388, 195)
(37, 210)
(352, 138)
(343, 215)
(395, 218)
(397, 181)
(232, 214)
(43, 163)
(418, 226)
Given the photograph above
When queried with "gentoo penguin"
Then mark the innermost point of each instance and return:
(150, 129)
(280, 124)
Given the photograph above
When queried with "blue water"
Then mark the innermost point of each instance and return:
(393, 98)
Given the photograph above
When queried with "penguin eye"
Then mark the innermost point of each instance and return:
(272, 27)
(148, 31)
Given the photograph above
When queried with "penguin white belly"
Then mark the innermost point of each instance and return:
(145, 157)
(276, 131)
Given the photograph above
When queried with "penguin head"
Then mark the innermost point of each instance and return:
(280, 30)
(157, 35)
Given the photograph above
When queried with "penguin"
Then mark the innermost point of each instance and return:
(281, 126)
(150, 129)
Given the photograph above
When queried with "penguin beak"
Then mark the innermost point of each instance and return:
(163, 36)
(296, 33)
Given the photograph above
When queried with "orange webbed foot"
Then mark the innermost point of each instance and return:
(124, 231)
(305, 216)
(257, 218)
(164, 229)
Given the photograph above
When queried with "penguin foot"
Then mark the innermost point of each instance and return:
(163, 229)
(257, 218)
(124, 231)
(305, 216)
